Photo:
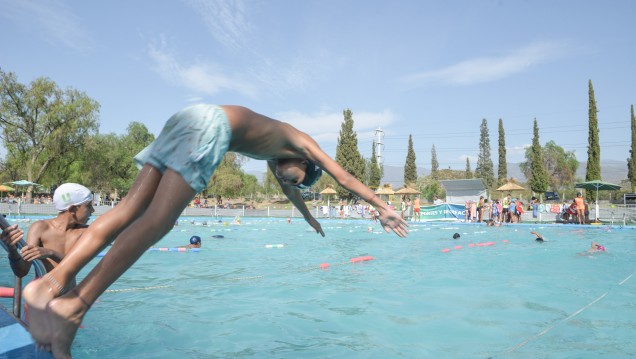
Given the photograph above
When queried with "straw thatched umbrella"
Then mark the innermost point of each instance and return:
(386, 190)
(510, 186)
(328, 191)
(407, 190)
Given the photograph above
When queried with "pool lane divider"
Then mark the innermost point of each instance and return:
(280, 245)
(352, 260)
(324, 265)
(163, 249)
(557, 322)
(472, 245)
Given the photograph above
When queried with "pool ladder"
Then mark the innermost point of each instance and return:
(40, 271)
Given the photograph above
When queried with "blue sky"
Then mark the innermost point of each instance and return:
(430, 69)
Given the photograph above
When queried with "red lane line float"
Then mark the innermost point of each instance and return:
(352, 260)
(360, 259)
(6, 292)
(472, 245)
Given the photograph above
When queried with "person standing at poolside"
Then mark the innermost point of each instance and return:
(505, 204)
(473, 211)
(177, 166)
(50, 239)
(480, 209)
(580, 208)
(416, 209)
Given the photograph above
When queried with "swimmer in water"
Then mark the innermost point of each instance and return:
(456, 236)
(539, 237)
(195, 242)
(595, 247)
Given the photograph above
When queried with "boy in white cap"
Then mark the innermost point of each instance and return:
(175, 167)
(50, 239)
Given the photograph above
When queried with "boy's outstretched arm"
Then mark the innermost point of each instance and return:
(293, 194)
(389, 219)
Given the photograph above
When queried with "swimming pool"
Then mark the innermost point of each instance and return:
(242, 297)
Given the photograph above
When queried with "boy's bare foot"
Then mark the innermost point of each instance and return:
(37, 296)
(65, 316)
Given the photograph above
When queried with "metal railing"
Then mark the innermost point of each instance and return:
(40, 271)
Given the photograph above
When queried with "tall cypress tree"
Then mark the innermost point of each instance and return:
(484, 169)
(631, 161)
(410, 169)
(593, 146)
(502, 169)
(468, 173)
(347, 154)
(538, 176)
(375, 176)
(434, 163)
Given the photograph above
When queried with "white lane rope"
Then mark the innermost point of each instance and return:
(552, 326)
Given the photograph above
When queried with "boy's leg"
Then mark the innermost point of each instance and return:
(66, 312)
(39, 293)
(107, 226)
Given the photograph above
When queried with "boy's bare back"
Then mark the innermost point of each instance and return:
(264, 138)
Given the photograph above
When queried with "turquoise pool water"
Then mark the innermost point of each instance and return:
(237, 298)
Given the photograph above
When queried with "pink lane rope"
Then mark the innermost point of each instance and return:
(472, 245)
(323, 265)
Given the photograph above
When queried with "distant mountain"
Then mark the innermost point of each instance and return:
(612, 171)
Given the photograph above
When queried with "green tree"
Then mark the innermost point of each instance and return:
(484, 169)
(631, 161)
(468, 174)
(560, 166)
(375, 172)
(227, 179)
(593, 170)
(347, 154)
(434, 163)
(538, 178)
(107, 163)
(410, 169)
(44, 126)
(502, 169)
(250, 186)
(271, 186)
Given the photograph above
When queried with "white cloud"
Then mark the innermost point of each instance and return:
(199, 77)
(324, 126)
(226, 20)
(233, 25)
(486, 69)
(52, 19)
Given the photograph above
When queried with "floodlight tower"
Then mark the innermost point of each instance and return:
(379, 145)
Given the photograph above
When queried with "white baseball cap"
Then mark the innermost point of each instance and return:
(71, 194)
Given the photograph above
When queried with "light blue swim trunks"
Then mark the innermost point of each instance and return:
(192, 143)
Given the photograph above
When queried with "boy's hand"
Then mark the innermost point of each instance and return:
(314, 223)
(12, 235)
(390, 220)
